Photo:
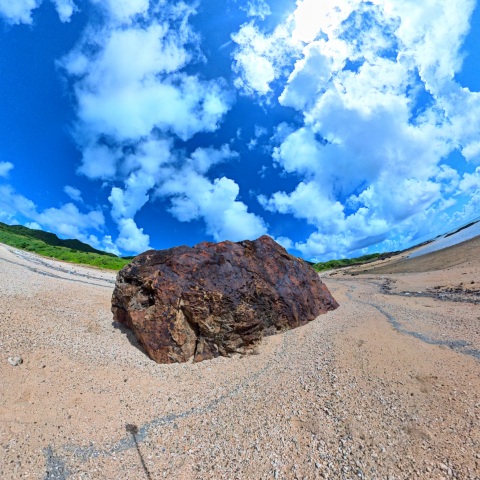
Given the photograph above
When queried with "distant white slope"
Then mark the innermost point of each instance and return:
(447, 240)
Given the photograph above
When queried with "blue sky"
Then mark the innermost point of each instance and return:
(336, 127)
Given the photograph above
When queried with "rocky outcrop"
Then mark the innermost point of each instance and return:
(215, 298)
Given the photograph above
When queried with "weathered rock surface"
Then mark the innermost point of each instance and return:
(215, 298)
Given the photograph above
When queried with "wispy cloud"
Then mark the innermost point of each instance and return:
(20, 11)
(74, 193)
(5, 168)
(256, 8)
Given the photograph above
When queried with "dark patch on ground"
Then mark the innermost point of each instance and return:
(460, 293)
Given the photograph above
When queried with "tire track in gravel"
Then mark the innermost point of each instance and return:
(57, 465)
(53, 275)
(460, 346)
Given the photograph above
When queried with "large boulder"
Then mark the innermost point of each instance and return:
(215, 298)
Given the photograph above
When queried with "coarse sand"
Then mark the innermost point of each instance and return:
(385, 387)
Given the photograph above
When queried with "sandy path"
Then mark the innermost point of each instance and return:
(372, 390)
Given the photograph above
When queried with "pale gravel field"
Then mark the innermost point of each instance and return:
(385, 387)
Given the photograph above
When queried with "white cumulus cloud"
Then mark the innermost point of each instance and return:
(194, 196)
(20, 11)
(369, 155)
(259, 58)
(136, 103)
(470, 182)
(65, 9)
(131, 237)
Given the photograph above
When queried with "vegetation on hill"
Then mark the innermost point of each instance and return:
(372, 257)
(52, 239)
(49, 245)
(346, 262)
(461, 228)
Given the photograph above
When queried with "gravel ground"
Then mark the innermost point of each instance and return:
(385, 387)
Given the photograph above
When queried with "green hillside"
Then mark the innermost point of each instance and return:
(52, 239)
(346, 262)
(49, 245)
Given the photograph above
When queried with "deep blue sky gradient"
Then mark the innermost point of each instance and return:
(38, 115)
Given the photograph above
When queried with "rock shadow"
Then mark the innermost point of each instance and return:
(130, 336)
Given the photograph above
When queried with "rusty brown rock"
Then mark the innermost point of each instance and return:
(215, 298)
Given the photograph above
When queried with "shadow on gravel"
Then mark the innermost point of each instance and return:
(133, 429)
(130, 336)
